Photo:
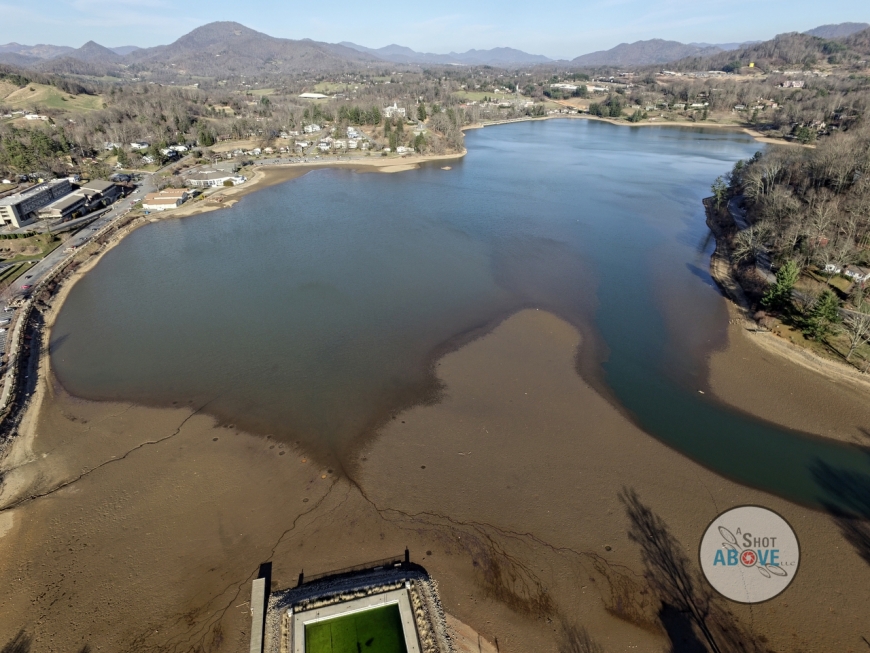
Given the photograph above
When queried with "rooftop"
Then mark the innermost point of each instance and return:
(35, 190)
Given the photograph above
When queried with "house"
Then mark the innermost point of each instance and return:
(404, 150)
(147, 159)
(34, 116)
(108, 146)
(311, 129)
(312, 96)
(164, 200)
(856, 273)
(340, 145)
(23, 208)
(564, 87)
(323, 147)
(212, 178)
(179, 148)
(833, 268)
(793, 83)
(390, 112)
(139, 145)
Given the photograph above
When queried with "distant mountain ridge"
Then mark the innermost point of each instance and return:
(222, 49)
(642, 53)
(838, 31)
(229, 48)
(492, 57)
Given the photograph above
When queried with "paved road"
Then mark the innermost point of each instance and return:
(43, 267)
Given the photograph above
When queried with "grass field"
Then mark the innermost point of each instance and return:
(52, 98)
(378, 630)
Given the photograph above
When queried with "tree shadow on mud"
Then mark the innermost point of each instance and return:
(576, 639)
(847, 499)
(21, 643)
(693, 616)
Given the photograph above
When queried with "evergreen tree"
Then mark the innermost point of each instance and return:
(778, 295)
(824, 315)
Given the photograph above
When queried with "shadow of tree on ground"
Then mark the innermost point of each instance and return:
(576, 639)
(694, 617)
(847, 499)
(19, 644)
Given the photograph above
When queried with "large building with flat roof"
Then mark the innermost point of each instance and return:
(23, 208)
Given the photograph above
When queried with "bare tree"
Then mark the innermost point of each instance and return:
(857, 329)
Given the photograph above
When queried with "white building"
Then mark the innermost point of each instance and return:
(164, 200)
(211, 178)
(311, 129)
(394, 110)
(564, 87)
(139, 145)
(857, 273)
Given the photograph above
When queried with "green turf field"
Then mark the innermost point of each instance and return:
(378, 630)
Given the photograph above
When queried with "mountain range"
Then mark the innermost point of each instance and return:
(493, 57)
(223, 49)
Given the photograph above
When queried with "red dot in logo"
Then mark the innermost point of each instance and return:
(748, 558)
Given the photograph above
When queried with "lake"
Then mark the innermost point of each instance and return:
(313, 310)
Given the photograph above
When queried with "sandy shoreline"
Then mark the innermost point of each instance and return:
(832, 395)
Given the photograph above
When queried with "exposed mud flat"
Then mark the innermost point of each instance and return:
(150, 523)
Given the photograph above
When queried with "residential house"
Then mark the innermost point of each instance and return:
(139, 145)
(856, 273)
(311, 129)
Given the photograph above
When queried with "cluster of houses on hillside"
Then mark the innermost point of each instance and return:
(356, 139)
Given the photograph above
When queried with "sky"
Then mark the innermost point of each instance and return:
(558, 29)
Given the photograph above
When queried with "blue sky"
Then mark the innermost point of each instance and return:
(558, 29)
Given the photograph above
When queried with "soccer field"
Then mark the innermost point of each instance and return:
(378, 630)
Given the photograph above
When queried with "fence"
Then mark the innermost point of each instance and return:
(397, 561)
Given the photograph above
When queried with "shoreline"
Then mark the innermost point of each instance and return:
(744, 328)
(268, 175)
(757, 136)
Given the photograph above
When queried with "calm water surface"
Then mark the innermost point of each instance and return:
(311, 309)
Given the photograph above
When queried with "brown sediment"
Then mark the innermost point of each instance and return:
(140, 529)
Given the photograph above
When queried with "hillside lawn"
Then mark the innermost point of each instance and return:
(43, 96)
